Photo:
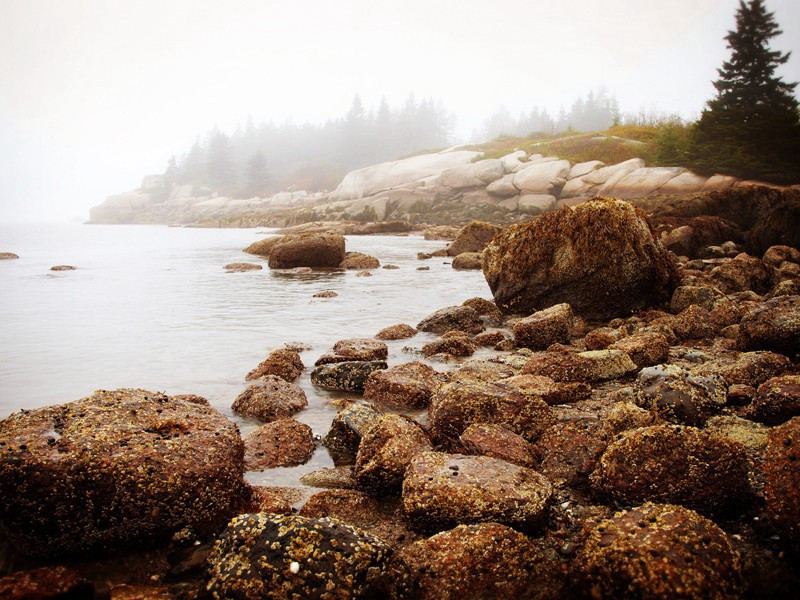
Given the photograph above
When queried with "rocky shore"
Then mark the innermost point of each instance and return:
(630, 430)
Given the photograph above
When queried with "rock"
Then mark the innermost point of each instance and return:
(350, 425)
(774, 325)
(460, 318)
(271, 499)
(8, 256)
(472, 175)
(441, 491)
(692, 295)
(363, 274)
(642, 182)
(487, 560)
(552, 392)
(355, 349)
(192, 398)
(457, 405)
(503, 187)
(263, 247)
(348, 376)
(601, 338)
(626, 415)
(490, 338)
(589, 366)
(675, 464)
(544, 328)
(644, 349)
(242, 267)
(743, 273)
(775, 256)
(753, 436)
(659, 551)
(386, 450)
(441, 232)
(270, 399)
(600, 257)
(613, 172)
(273, 556)
(63, 268)
(396, 332)
(358, 260)
(485, 308)
(282, 443)
(749, 368)
(498, 442)
(116, 468)
(461, 345)
(307, 250)
(782, 480)
(542, 177)
(326, 294)
(340, 477)
(349, 506)
(391, 267)
(694, 323)
(536, 204)
(468, 261)
(473, 238)
(423, 268)
(570, 451)
(777, 401)
(408, 386)
(284, 363)
(584, 168)
(46, 583)
(679, 396)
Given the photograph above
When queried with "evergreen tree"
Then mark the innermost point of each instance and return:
(256, 174)
(751, 128)
(219, 168)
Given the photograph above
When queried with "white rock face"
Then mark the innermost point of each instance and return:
(472, 175)
(543, 178)
(584, 168)
(503, 187)
(601, 176)
(477, 196)
(685, 183)
(534, 160)
(536, 203)
(718, 182)
(513, 160)
(641, 182)
(120, 208)
(371, 180)
(577, 187)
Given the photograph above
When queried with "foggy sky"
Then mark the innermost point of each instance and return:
(95, 94)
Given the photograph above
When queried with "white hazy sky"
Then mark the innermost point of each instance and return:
(95, 94)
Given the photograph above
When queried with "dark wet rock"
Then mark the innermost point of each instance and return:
(263, 247)
(675, 464)
(570, 450)
(396, 332)
(461, 345)
(359, 260)
(490, 338)
(270, 399)
(473, 238)
(740, 394)
(644, 349)
(461, 318)
(775, 325)
(350, 425)
(444, 490)
(307, 250)
(748, 368)
(498, 442)
(659, 551)
(775, 256)
(326, 294)
(271, 556)
(116, 468)
(46, 583)
(349, 506)
(340, 477)
(599, 257)
(743, 273)
(282, 443)
(677, 395)
(385, 452)
(178, 591)
(356, 349)
(601, 338)
(782, 480)
(590, 366)
(63, 268)
(486, 560)
(544, 328)
(692, 295)
(423, 268)
(347, 376)
(241, 267)
(284, 363)
(457, 405)
(8, 256)
(694, 323)
(777, 401)
(468, 261)
(626, 415)
(552, 392)
(409, 385)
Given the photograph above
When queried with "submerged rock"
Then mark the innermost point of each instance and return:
(307, 250)
(359, 260)
(63, 268)
(241, 267)
(349, 376)
(270, 399)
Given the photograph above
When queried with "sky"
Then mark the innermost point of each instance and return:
(95, 94)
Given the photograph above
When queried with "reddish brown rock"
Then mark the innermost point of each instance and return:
(692, 295)
(410, 385)
(350, 425)
(777, 401)
(396, 332)
(552, 392)
(590, 366)
(782, 480)
(263, 247)
(498, 442)
(270, 399)
(743, 273)
(326, 294)
(480, 370)
(452, 345)
(282, 443)
(626, 415)
(460, 318)
(63, 268)
(544, 328)
(490, 338)
(485, 308)
(359, 260)
(601, 338)
(286, 364)
(775, 256)
(645, 349)
(571, 450)
(46, 583)
(356, 349)
(694, 323)
(677, 395)
(775, 325)
(307, 250)
(748, 368)
(472, 238)
(193, 398)
(241, 267)
(349, 506)
(468, 261)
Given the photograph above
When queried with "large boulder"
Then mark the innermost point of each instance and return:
(283, 363)
(642, 182)
(263, 247)
(600, 257)
(307, 250)
(782, 479)
(542, 177)
(777, 400)
(774, 325)
(472, 175)
(473, 238)
(114, 469)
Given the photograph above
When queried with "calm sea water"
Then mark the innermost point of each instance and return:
(152, 307)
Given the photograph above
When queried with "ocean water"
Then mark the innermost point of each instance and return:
(152, 307)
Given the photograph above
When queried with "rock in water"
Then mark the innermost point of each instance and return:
(115, 468)
(307, 250)
(600, 257)
(472, 238)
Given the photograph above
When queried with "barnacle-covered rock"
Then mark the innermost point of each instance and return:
(498, 442)
(777, 400)
(284, 363)
(307, 250)
(644, 349)
(359, 260)
(350, 425)
(409, 385)
(282, 443)
(450, 318)
(348, 376)
(269, 399)
(782, 479)
(544, 328)
(679, 396)
(400, 331)
(46, 583)
(774, 325)
(356, 349)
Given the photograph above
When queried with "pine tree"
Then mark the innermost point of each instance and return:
(219, 167)
(257, 174)
(751, 128)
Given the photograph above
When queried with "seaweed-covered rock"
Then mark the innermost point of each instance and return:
(284, 363)
(385, 452)
(263, 247)
(272, 556)
(544, 328)
(774, 325)
(486, 560)
(46, 583)
(307, 250)
(626, 415)
(282, 443)
(457, 405)
(473, 237)
(409, 385)
(116, 468)
(601, 338)
(645, 349)
(743, 273)
(782, 479)
(349, 376)
(452, 318)
(350, 425)
(356, 349)
(679, 396)
(468, 261)
(692, 295)
(444, 490)
(454, 345)
(694, 323)
(661, 552)
(777, 400)
(498, 442)
(674, 464)
(599, 257)
(400, 331)
(270, 399)
(359, 260)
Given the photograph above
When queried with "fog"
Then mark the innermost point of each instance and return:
(95, 94)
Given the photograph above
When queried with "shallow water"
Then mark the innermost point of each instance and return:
(152, 307)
